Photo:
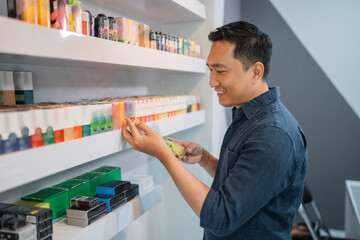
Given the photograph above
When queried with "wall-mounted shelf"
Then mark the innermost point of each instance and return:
(111, 224)
(14, 167)
(26, 43)
(162, 11)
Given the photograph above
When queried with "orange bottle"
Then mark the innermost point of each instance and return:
(43, 13)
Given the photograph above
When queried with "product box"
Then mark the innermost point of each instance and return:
(75, 187)
(111, 201)
(84, 202)
(32, 204)
(85, 213)
(113, 187)
(56, 197)
(7, 90)
(24, 92)
(85, 222)
(27, 232)
(112, 173)
(144, 32)
(94, 180)
(145, 182)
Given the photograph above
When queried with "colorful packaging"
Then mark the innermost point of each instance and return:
(113, 29)
(24, 93)
(7, 93)
(85, 23)
(27, 10)
(101, 26)
(44, 13)
(144, 35)
(75, 19)
(152, 36)
(122, 29)
(60, 15)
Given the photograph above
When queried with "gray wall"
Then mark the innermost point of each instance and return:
(331, 126)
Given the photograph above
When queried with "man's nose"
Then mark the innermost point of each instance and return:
(213, 81)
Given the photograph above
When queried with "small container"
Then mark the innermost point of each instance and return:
(158, 40)
(144, 35)
(163, 39)
(75, 19)
(44, 13)
(24, 93)
(113, 29)
(62, 15)
(7, 90)
(180, 46)
(85, 23)
(152, 39)
(91, 18)
(26, 10)
(101, 26)
(122, 29)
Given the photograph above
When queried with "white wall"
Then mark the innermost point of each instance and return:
(172, 218)
(329, 31)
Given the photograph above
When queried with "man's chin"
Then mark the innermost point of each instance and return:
(225, 104)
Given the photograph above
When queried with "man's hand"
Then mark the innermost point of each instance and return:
(194, 151)
(197, 154)
(149, 142)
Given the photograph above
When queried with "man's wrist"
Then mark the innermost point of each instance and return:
(204, 158)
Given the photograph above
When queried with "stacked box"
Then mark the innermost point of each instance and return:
(56, 197)
(32, 204)
(74, 187)
(116, 193)
(27, 232)
(145, 183)
(40, 218)
(85, 211)
(112, 173)
(94, 179)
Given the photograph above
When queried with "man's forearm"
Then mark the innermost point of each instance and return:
(209, 163)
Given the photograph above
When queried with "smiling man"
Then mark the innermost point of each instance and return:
(259, 176)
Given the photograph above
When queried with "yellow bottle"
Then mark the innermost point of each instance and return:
(29, 11)
(43, 13)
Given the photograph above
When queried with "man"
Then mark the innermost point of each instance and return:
(259, 177)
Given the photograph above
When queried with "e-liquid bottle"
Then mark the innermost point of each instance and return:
(152, 39)
(163, 39)
(158, 40)
(101, 26)
(85, 23)
(113, 29)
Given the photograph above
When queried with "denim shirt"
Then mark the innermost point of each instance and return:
(259, 180)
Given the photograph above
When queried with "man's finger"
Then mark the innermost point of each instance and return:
(142, 126)
(127, 135)
(133, 129)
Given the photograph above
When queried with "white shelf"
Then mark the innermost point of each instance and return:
(30, 44)
(22, 167)
(111, 224)
(162, 11)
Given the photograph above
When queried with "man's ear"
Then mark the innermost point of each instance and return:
(258, 72)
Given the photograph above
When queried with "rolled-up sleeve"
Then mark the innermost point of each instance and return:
(262, 170)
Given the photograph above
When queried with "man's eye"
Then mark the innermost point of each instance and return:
(220, 71)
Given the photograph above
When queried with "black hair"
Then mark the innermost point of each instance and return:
(252, 45)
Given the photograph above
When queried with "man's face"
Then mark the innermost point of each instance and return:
(228, 77)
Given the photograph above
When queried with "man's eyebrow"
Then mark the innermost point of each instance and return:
(216, 65)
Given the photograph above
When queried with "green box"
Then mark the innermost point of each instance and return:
(75, 187)
(94, 179)
(56, 197)
(112, 173)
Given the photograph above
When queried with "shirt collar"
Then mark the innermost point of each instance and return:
(255, 105)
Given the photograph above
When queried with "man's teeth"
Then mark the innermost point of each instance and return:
(221, 91)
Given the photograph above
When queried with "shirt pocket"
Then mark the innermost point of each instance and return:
(229, 158)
